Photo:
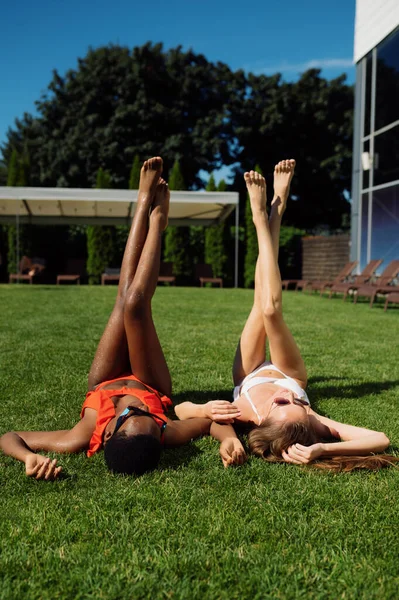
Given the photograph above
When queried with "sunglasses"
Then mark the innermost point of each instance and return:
(133, 411)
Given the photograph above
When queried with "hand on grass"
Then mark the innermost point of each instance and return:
(41, 467)
(232, 452)
(221, 411)
(302, 455)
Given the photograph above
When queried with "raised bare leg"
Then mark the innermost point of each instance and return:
(112, 357)
(283, 174)
(251, 349)
(145, 353)
(283, 349)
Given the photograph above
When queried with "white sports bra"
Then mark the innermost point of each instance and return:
(251, 381)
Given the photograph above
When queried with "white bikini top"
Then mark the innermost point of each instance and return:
(251, 381)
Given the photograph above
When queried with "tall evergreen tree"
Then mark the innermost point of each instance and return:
(134, 180)
(17, 175)
(251, 243)
(215, 237)
(176, 179)
(177, 239)
(13, 169)
(3, 173)
(99, 238)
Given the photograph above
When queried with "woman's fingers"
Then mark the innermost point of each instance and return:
(43, 468)
(51, 470)
(32, 472)
(222, 418)
(238, 457)
(224, 407)
(288, 457)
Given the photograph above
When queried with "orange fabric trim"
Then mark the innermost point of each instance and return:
(100, 400)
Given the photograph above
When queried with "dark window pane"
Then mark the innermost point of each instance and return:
(387, 103)
(367, 100)
(364, 231)
(385, 233)
(366, 174)
(386, 156)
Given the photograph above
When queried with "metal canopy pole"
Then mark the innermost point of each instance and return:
(236, 247)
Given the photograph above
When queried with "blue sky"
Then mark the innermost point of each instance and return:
(260, 36)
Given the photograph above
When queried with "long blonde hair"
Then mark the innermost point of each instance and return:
(270, 440)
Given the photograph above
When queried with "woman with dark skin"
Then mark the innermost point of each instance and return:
(129, 381)
(270, 397)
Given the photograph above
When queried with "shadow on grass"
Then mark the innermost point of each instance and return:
(175, 458)
(347, 389)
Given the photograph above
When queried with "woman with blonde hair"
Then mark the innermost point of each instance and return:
(270, 397)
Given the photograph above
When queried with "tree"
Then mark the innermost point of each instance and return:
(13, 169)
(17, 175)
(119, 103)
(177, 239)
(99, 238)
(3, 173)
(134, 180)
(251, 249)
(215, 237)
(309, 120)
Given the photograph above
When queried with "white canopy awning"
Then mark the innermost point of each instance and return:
(68, 206)
(57, 206)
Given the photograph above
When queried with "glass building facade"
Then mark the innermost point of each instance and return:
(375, 181)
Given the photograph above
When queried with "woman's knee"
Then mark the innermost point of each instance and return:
(273, 311)
(136, 305)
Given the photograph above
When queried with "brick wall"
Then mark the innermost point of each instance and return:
(323, 257)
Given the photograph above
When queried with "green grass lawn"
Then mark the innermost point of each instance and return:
(191, 529)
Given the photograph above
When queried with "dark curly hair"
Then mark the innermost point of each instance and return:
(132, 455)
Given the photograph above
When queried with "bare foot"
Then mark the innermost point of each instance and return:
(160, 206)
(283, 173)
(149, 177)
(256, 186)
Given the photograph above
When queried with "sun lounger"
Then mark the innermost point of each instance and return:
(29, 268)
(166, 273)
(295, 284)
(204, 273)
(74, 271)
(383, 285)
(342, 276)
(364, 277)
(110, 275)
(391, 297)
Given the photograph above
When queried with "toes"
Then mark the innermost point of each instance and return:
(155, 163)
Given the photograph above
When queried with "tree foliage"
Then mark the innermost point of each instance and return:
(216, 242)
(18, 242)
(119, 103)
(177, 239)
(134, 179)
(99, 238)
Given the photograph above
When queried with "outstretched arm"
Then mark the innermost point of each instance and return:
(355, 441)
(231, 449)
(217, 410)
(23, 445)
(178, 433)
